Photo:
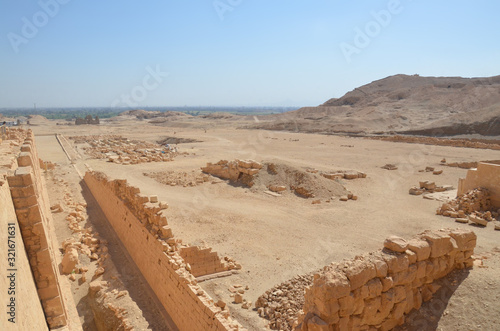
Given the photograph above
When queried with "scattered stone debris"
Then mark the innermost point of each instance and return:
(344, 174)
(121, 150)
(282, 304)
(428, 187)
(462, 165)
(473, 206)
(180, 178)
(389, 166)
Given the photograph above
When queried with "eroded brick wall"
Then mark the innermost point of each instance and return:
(376, 291)
(151, 245)
(32, 210)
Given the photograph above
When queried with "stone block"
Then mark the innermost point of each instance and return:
(420, 247)
(359, 272)
(396, 262)
(396, 244)
(387, 283)
(439, 241)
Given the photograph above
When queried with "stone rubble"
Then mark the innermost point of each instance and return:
(473, 206)
(428, 187)
(237, 170)
(121, 150)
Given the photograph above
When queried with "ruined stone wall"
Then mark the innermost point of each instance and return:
(25, 311)
(487, 175)
(205, 262)
(376, 291)
(32, 210)
(156, 255)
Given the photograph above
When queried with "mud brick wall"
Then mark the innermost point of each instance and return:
(32, 210)
(376, 291)
(29, 313)
(158, 259)
(202, 260)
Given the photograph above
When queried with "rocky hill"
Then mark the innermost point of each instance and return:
(403, 104)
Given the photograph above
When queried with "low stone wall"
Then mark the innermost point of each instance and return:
(151, 245)
(376, 291)
(32, 210)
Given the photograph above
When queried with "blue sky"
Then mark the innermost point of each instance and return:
(245, 53)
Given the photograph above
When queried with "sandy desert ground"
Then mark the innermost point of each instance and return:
(277, 238)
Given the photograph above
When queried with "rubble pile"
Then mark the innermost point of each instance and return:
(473, 206)
(282, 304)
(390, 166)
(182, 178)
(237, 170)
(120, 150)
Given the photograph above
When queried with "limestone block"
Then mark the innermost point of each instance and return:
(420, 247)
(374, 287)
(439, 241)
(396, 244)
(388, 300)
(396, 262)
(277, 188)
(359, 272)
(347, 305)
(244, 164)
(478, 220)
(70, 260)
(387, 283)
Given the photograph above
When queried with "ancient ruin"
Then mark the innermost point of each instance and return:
(91, 231)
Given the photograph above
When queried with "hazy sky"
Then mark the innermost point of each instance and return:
(61, 53)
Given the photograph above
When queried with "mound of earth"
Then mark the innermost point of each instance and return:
(279, 178)
(402, 103)
(297, 181)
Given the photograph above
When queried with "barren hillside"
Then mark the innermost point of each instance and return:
(402, 103)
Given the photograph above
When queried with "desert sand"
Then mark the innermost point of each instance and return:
(274, 237)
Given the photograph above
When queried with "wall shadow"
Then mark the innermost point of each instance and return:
(429, 315)
(127, 271)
